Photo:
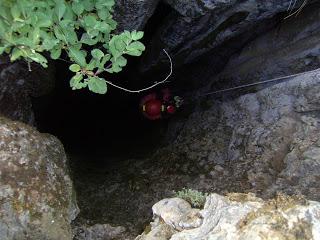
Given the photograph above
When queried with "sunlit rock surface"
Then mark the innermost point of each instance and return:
(245, 217)
(37, 199)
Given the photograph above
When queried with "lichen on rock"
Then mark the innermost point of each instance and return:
(37, 199)
(281, 218)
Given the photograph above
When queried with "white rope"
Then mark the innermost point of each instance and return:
(258, 83)
(298, 10)
(147, 88)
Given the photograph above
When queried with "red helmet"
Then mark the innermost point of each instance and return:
(153, 108)
(171, 109)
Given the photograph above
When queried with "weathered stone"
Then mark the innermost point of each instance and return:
(36, 195)
(201, 27)
(177, 213)
(159, 232)
(292, 47)
(244, 217)
(101, 232)
(133, 14)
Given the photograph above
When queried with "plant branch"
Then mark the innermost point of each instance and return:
(150, 87)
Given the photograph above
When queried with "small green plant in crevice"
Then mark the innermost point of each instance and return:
(195, 198)
(83, 29)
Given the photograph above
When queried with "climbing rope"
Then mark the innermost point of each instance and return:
(258, 83)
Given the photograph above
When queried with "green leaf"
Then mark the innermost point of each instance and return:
(105, 3)
(88, 5)
(92, 65)
(48, 44)
(136, 46)
(76, 82)
(116, 68)
(37, 57)
(86, 39)
(121, 61)
(74, 68)
(97, 54)
(112, 23)
(60, 8)
(2, 49)
(78, 56)
(97, 85)
(103, 13)
(55, 52)
(15, 12)
(16, 54)
(104, 60)
(69, 14)
(112, 46)
(35, 35)
(77, 8)
(103, 27)
(44, 20)
(135, 53)
(137, 35)
(69, 34)
(90, 21)
(59, 33)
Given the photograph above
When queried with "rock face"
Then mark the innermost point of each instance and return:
(36, 195)
(245, 217)
(199, 27)
(18, 85)
(292, 47)
(100, 232)
(133, 14)
(264, 142)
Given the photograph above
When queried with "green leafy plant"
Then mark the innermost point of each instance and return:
(195, 198)
(83, 29)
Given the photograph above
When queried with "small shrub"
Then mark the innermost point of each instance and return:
(83, 29)
(195, 198)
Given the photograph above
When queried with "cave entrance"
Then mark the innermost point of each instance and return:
(99, 132)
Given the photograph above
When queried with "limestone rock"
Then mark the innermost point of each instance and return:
(200, 27)
(133, 14)
(101, 232)
(177, 213)
(37, 200)
(291, 48)
(244, 217)
(159, 232)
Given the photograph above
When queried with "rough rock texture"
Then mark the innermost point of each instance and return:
(245, 217)
(100, 232)
(198, 28)
(265, 142)
(36, 195)
(292, 47)
(133, 14)
(18, 85)
(177, 213)
(262, 142)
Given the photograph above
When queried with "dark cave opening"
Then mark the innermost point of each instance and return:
(102, 128)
